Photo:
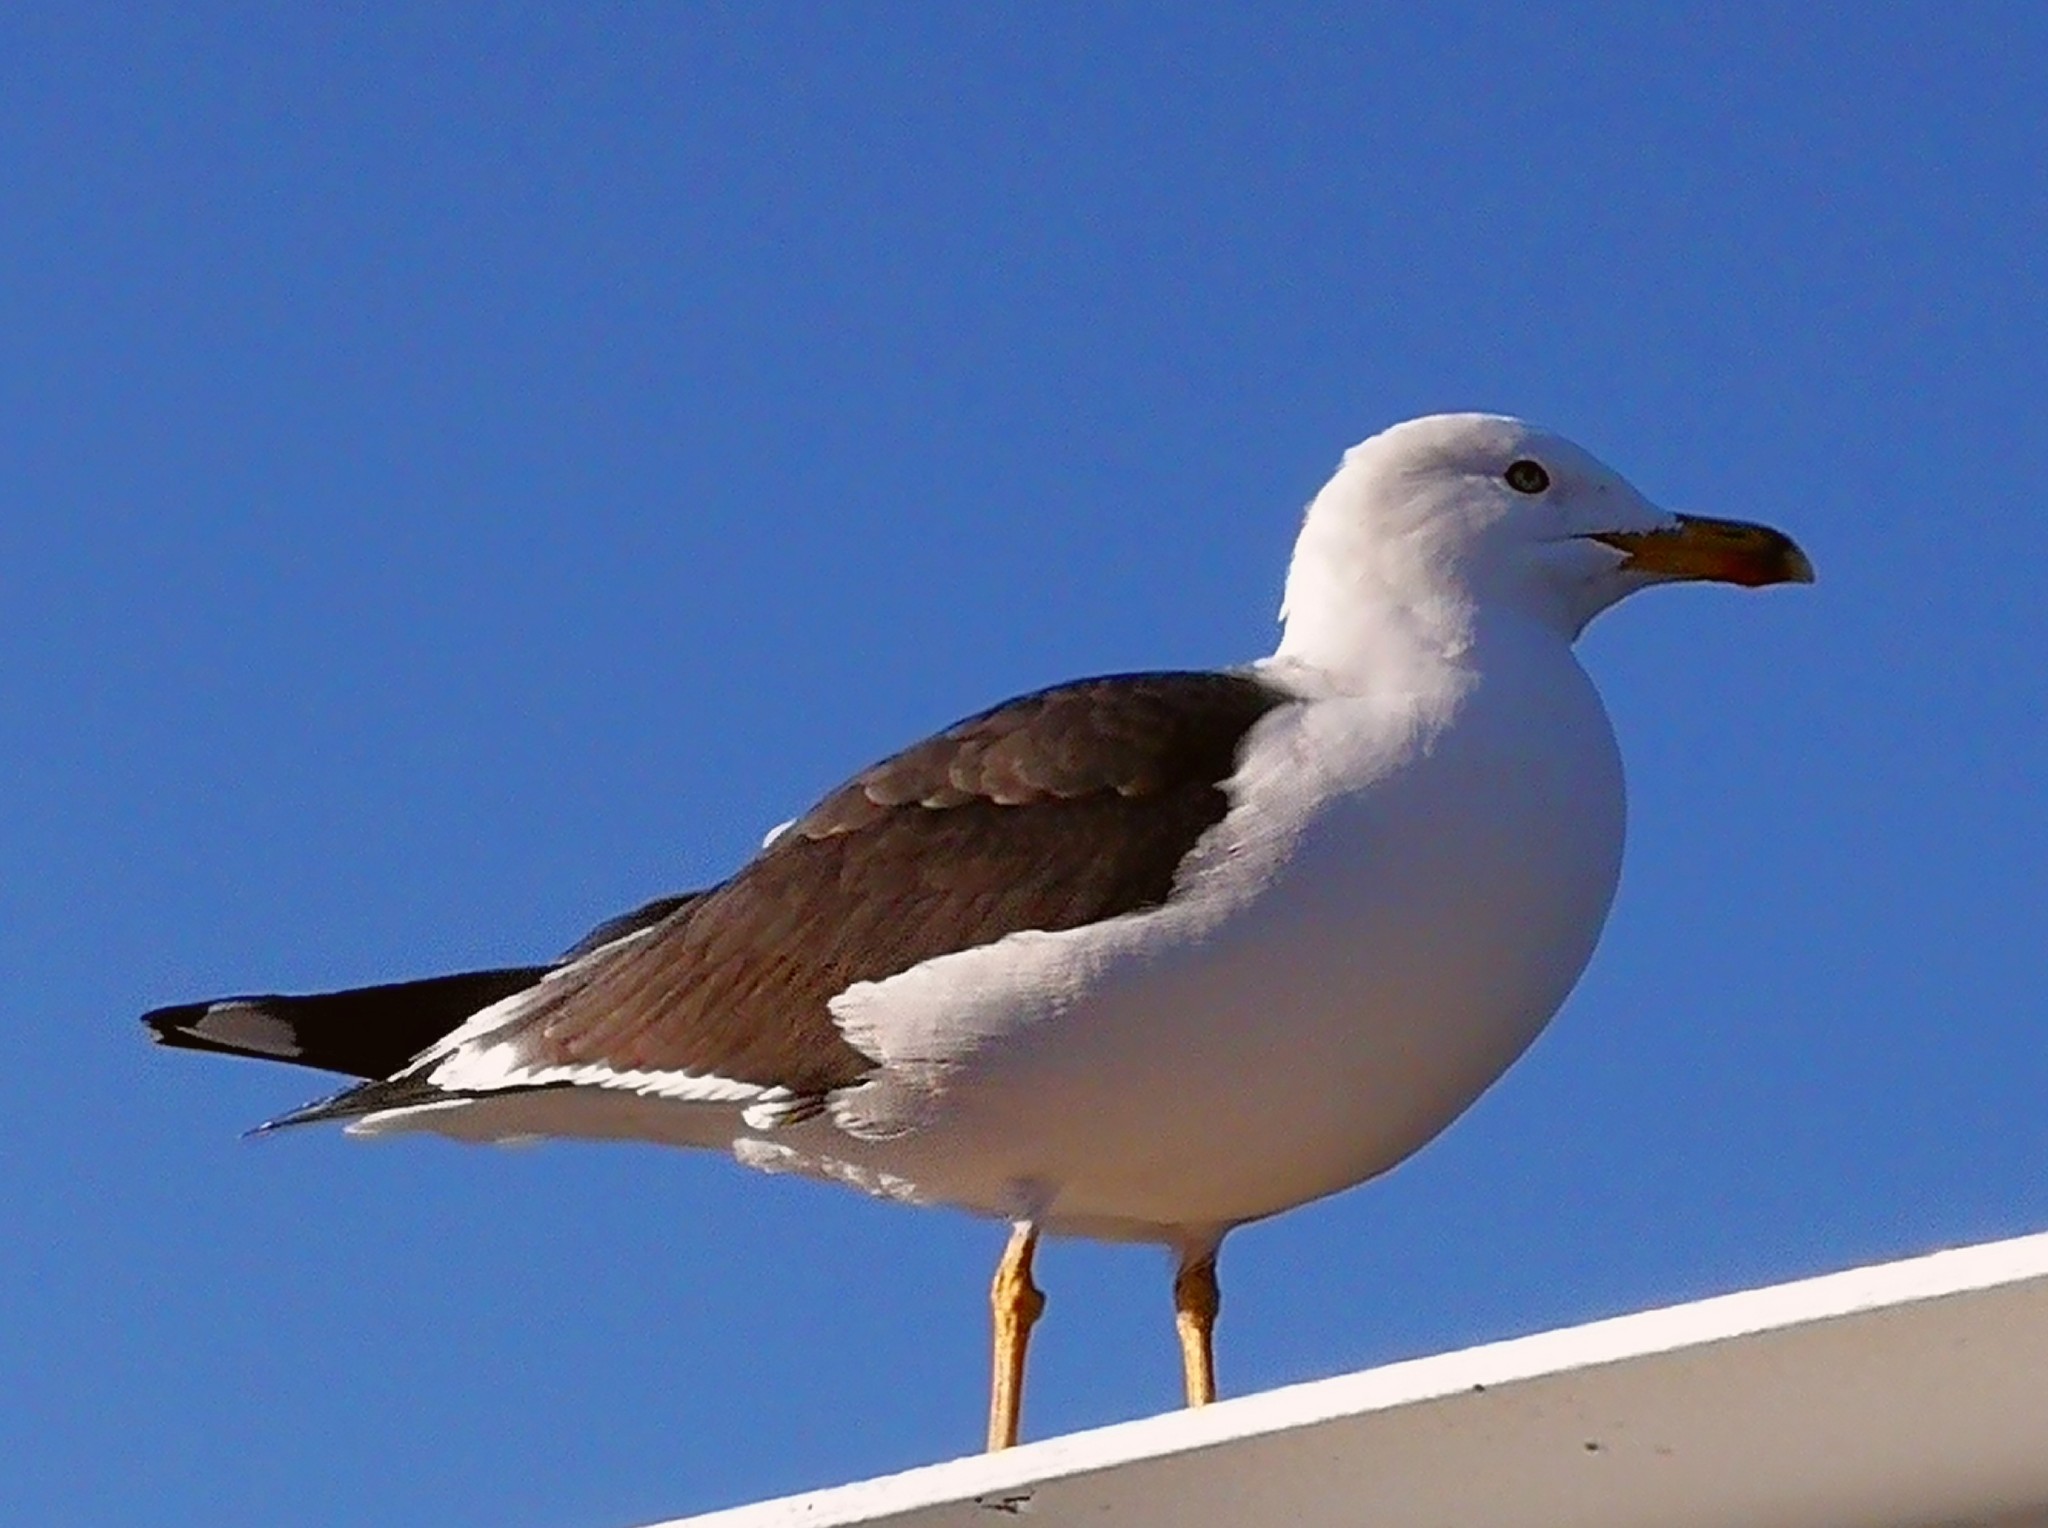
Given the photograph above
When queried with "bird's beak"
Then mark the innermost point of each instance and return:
(1727, 551)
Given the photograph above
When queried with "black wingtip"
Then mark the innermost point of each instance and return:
(172, 1026)
(259, 1027)
(367, 1032)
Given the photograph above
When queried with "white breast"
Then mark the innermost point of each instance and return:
(1405, 890)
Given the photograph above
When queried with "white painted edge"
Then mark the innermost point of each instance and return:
(1615, 1339)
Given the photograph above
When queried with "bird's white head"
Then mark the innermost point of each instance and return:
(1435, 523)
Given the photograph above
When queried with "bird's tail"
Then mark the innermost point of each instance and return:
(368, 1032)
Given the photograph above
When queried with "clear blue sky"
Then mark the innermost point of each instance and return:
(464, 470)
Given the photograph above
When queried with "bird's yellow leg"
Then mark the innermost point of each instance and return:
(1017, 1304)
(1196, 1300)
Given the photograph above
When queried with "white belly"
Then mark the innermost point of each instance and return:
(1340, 985)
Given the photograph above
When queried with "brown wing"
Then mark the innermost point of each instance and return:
(1048, 812)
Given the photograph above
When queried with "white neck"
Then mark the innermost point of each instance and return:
(1369, 609)
(1389, 586)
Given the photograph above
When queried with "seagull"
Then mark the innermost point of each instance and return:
(1144, 957)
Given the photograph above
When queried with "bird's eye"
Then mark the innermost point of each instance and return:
(1526, 476)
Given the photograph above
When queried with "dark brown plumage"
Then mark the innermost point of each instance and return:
(1054, 810)
(1057, 809)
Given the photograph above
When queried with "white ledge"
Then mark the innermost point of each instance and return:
(1908, 1393)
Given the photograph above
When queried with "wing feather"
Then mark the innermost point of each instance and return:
(1054, 810)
